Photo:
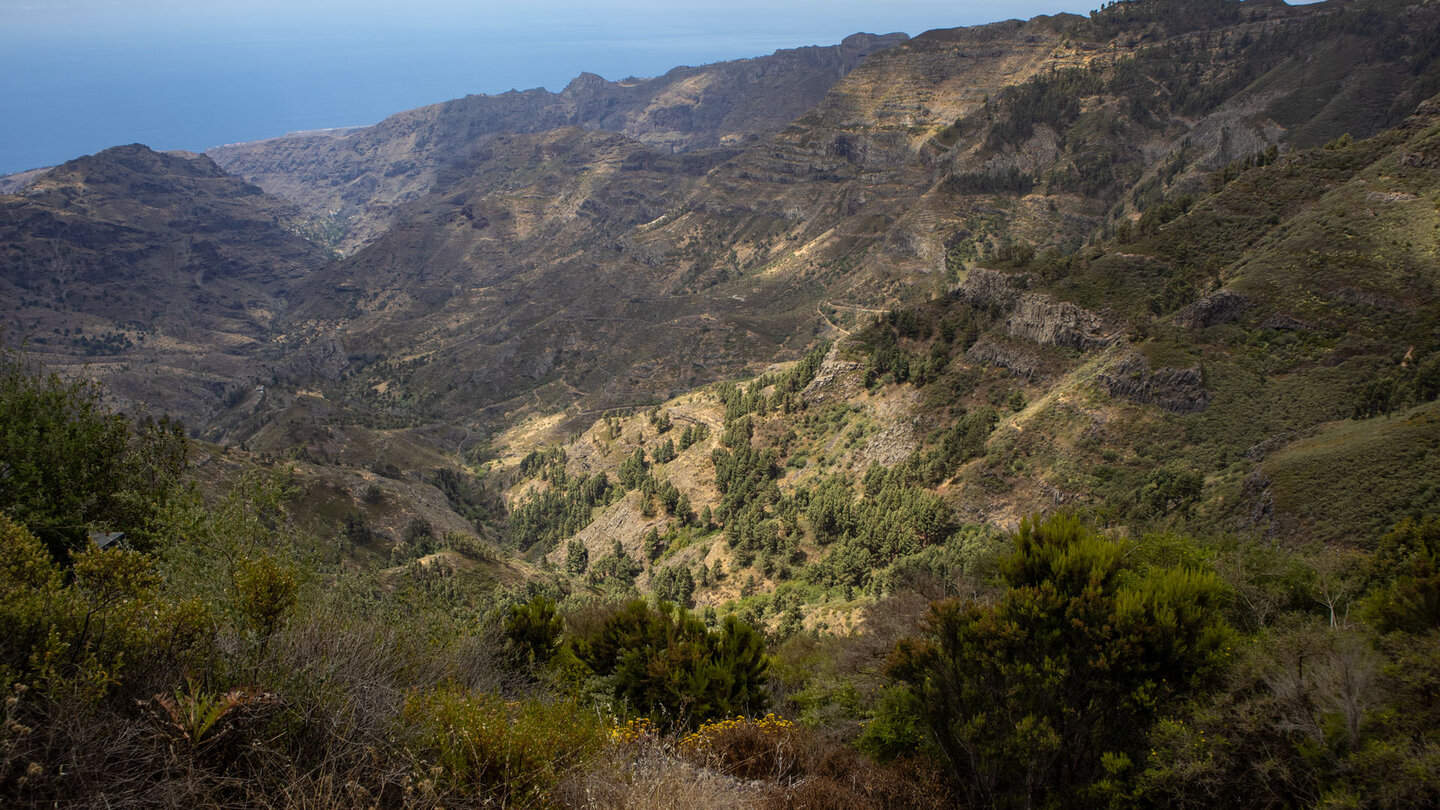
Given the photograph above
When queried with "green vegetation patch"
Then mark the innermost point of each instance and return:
(1348, 483)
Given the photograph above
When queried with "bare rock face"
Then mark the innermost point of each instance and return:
(1044, 320)
(836, 381)
(984, 287)
(1222, 306)
(1259, 513)
(1036, 317)
(1019, 356)
(1174, 389)
(18, 182)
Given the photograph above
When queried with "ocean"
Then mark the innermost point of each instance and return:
(86, 82)
(60, 100)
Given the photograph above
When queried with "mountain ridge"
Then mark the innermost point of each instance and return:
(687, 108)
(159, 272)
(535, 267)
(917, 162)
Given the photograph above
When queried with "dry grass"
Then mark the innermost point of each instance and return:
(794, 767)
(649, 776)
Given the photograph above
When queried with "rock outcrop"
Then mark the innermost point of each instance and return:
(1019, 356)
(1040, 318)
(986, 288)
(1178, 390)
(1036, 317)
(835, 381)
(1221, 306)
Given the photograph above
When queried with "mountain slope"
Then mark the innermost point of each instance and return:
(362, 175)
(1210, 357)
(1252, 410)
(159, 271)
(546, 263)
(574, 270)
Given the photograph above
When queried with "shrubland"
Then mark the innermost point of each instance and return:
(1144, 518)
(232, 656)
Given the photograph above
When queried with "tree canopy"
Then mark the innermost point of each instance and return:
(69, 466)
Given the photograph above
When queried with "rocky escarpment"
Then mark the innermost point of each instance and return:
(1034, 316)
(992, 289)
(835, 381)
(1178, 390)
(1222, 306)
(1022, 357)
(1041, 318)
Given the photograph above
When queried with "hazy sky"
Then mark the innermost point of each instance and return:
(156, 17)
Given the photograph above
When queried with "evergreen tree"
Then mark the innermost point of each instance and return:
(653, 544)
(1033, 696)
(674, 583)
(577, 558)
(632, 469)
(664, 662)
(68, 466)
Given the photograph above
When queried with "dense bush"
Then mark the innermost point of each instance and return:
(1036, 698)
(72, 467)
(534, 629)
(1409, 556)
(663, 661)
(1308, 716)
(103, 624)
(493, 751)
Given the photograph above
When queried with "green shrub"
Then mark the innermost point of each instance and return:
(71, 466)
(663, 661)
(897, 729)
(1309, 716)
(1412, 603)
(534, 628)
(264, 592)
(81, 638)
(494, 751)
(1036, 696)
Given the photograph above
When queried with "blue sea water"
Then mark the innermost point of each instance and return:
(61, 100)
(70, 90)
